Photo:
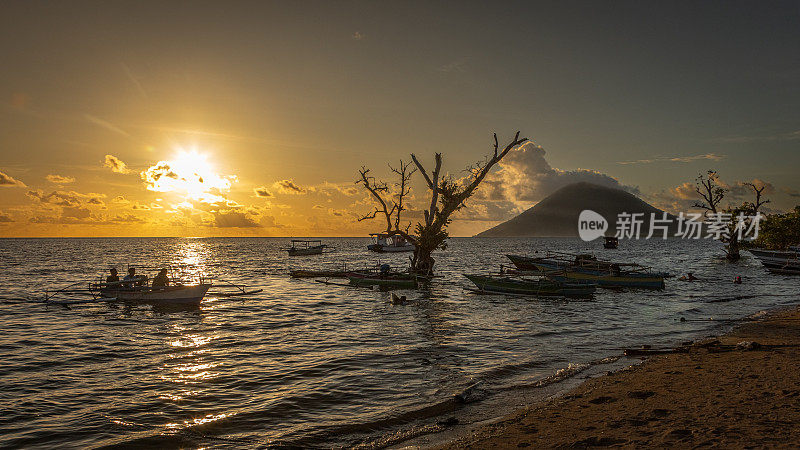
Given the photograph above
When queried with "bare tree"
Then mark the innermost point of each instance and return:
(378, 189)
(747, 209)
(708, 186)
(447, 195)
(757, 191)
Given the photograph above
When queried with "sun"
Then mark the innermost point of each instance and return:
(190, 175)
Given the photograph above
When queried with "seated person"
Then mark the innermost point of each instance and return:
(161, 280)
(131, 279)
(113, 278)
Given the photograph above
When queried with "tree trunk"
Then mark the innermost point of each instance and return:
(423, 262)
(732, 249)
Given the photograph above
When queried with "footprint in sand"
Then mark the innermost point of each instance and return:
(602, 399)
(641, 394)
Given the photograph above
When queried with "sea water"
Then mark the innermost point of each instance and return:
(309, 364)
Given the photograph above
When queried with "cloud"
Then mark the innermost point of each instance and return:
(106, 125)
(789, 136)
(525, 176)
(741, 190)
(8, 181)
(454, 66)
(262, 192)
(116, 165)
(67, 198)
(5, 218)
(289, 187)
(60, 179)
(233, 219)
(791, 192)
(189, 175)
(683, 159)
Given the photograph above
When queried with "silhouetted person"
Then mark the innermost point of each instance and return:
(113, 278)
(131, 279)
(161, 280)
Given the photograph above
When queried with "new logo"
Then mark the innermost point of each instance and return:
(591, 225)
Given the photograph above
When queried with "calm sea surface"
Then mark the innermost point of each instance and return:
(308, 364)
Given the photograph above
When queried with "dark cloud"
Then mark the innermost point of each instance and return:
(791, 192)
(233, 219)
(67, 198)
(116, 165)
(4, 218)
(9, 181)
(289, 187)
(262, 192)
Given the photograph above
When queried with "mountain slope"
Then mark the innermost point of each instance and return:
(557, 215)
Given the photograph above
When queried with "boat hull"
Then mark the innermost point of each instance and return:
(529, 287)
(305, 251)
(181, 295)
(398, 281)
(602, 278)
(780, 262)
(380, 248)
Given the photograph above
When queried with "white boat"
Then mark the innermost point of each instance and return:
(779, 261)
(301, 247)
(177, 294)
(384, 243)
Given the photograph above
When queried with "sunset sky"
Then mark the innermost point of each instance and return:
(253, 118)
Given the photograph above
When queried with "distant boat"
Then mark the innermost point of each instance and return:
(385, 243)
(589, 268)
(611, 242)
(520, 285)
(779, 261)
(302, 247)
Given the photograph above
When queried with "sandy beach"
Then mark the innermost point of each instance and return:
(738, 391)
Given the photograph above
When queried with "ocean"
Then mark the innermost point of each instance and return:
(313, 365)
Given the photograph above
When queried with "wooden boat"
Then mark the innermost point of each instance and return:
(572, 267)
(175, 294)
(302, 247)
(611, 242)
(310, 273)
(384, 243)
(521, 285)
(779, 261)
(383, 278)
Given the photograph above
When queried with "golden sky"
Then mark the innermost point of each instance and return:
(252, 119)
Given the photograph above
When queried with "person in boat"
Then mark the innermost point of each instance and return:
(131, 279)
(738, 279)
(161, 280)
(113, 278)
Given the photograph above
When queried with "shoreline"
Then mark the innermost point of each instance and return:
(715, 393)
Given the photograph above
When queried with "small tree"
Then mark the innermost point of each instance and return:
(746, 209)
(447, 195)
(710, 190)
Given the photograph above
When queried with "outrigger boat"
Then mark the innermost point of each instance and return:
(172, 294)
(779, 261)
(301, 247)
(385, 243)
(140, 290)
(572, 267)
(527, 285)
(383, 279)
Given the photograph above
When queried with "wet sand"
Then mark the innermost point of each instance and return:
(714, 394)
